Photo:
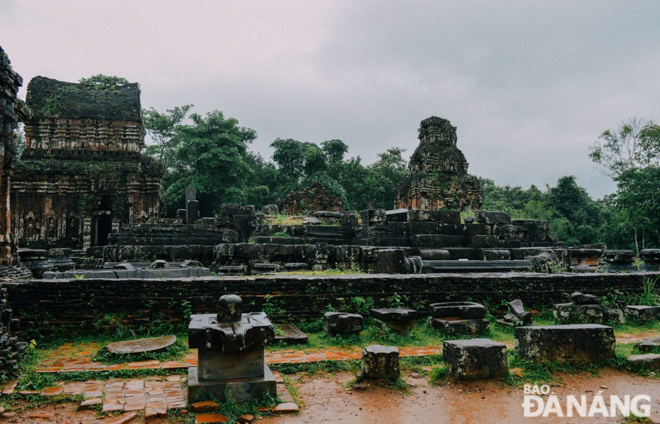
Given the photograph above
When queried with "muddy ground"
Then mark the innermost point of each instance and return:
(328, 401)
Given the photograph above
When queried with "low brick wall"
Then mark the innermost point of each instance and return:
(81, 303)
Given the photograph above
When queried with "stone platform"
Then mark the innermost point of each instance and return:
(241, 390)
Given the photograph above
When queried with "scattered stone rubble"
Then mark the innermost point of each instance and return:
(312, 198)
(517, 315)
(586, 309)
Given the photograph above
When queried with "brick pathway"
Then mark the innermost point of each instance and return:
(67, 359)
(153, 395)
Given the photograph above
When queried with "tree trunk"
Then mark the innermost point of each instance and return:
(636, 242)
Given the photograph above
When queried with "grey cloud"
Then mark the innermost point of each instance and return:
(530, 85)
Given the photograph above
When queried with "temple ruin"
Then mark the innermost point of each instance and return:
(11, 112)
(82, 172)
(438, 172)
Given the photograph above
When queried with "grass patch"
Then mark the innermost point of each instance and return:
(293, 391)
(316, 367)
(19, 403)
(284, 219)
(176, 352)
(438, 374)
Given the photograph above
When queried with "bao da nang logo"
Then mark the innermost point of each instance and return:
(540, 402)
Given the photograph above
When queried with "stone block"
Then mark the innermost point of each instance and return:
(462, 310)
(585, 299)
(444, 217)
(517, 308)
(589, 314)
(642, 313)
(649, 345)
(646, 361)
(565, 343)
(650, 255)
(192, 211)
(423, 228)
(343, 323)
(398, 319)
(483, 242)
(436, 240)
(492, 217)
(230, 236)
(434, 254)
(240, 390)
(391, 261)
(381, 362)
(372, 216)
(563, 312)
(495, 255)
(396, 215)
(270, 210)
(619, 256)
(475, 358)
(459, 327)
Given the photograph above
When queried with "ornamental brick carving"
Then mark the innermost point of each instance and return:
(11, 112)
(82, 172)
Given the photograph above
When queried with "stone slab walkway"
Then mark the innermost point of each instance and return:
(153, 396)
(70, 359)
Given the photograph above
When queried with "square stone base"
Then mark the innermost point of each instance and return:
(459, 327)
(241, 390)
(397, 327)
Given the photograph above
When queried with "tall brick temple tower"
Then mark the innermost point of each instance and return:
(82, 172)
(11, 112)
(438, 172)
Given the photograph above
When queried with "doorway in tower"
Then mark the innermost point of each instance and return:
(102, 222)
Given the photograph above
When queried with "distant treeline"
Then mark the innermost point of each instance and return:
(211, 153)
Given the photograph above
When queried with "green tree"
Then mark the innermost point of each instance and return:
(630, 154)
(211, 155)
(386, 174)
(638, 197)
(161, 127)
(634, 144)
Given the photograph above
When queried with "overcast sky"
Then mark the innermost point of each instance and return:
(529, 84)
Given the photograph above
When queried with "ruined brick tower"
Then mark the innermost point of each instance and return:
(82, 171)
(438, 172)
(11, 112)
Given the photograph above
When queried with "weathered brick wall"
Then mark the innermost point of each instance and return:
(56, 304)
(82, 168)
(10, 81)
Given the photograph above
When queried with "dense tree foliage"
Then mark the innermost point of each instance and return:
(211, 153)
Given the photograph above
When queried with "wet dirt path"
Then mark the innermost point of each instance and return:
(327, 401)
